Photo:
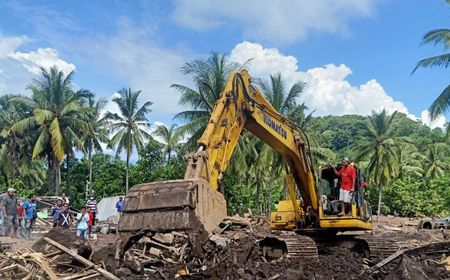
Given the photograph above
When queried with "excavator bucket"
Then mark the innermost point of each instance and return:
(176, 205)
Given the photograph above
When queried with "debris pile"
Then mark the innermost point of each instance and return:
(56, 255)
(234, 252)
(61, 263)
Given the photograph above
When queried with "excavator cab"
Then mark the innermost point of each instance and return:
(288, 217)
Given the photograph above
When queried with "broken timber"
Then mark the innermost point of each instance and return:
(399, 253)
(81, 259)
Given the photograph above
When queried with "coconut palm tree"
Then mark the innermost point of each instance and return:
(437, 37)
(171, 138)
(436, 160)
(410, 161)
(129, 127)
(379, 148)
(57, 117)
(282, 99)
(96, 134)
(210, 77)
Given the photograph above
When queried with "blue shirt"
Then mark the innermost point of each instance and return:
(82, 221)
(29, 209)
(120, 205)
(55, 213)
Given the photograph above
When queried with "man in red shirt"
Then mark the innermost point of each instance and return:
(91, 220)
(348, 175)
(19, 215)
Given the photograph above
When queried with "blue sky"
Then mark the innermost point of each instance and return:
(355, 55)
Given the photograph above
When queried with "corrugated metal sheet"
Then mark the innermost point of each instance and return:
(107, 208)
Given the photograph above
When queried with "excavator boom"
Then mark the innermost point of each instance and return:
(194, 203)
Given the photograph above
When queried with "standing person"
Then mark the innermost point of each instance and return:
(120, 205)
(64, 217)
(347, 175)
(92, 204)
(55, 212)
(65, 199)
(20, 230)
(82, 226)
(28, 214)
(33, 202)
(9, 210)
(91, 219)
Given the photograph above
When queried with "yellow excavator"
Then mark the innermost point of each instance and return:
(194, 203)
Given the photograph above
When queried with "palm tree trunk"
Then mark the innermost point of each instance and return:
(126, 173)
(50, 174)
(68, 162)
(57, 176)
(380, 188)
(258, 194)
(269, 201)
(5, 177)
(90, 168)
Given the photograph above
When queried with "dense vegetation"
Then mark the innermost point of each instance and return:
(52, 142)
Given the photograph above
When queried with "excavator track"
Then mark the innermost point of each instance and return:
(301, 247)
(378, 248)
(290, 246)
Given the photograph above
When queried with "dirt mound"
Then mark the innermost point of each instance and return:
(62, 236)
(105, 255)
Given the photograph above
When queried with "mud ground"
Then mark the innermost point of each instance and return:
(242, 262)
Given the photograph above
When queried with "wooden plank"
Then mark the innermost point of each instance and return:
(39, 259)
(8, 268)
(79, 258)
(95, 275)
(386, 261)
(78, 275)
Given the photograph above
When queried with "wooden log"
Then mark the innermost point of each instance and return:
(399, 253)
(39, 259)
(274, 277)
(8, 268)
(95, 275)
(52, 254)
(81, 259)
(78, 275)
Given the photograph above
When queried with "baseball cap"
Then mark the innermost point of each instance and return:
(346, 159)
(11, 190)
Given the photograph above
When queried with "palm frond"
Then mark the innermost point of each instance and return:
(57, 139)
(441, 104)
(437, 36)
(442, 60)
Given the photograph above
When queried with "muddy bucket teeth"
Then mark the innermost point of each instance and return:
(176, 205)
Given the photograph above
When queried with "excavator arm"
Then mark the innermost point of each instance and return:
(241, 106)
(194, 204)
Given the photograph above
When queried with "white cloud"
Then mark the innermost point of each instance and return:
(327, 90)
(272, 20)
(9, 44)
(42, 57)
(439, 122)
(17, 69)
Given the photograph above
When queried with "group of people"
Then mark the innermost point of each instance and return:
(18, 217)
(85, 219)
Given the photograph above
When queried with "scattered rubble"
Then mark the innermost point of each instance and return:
(231, 252)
